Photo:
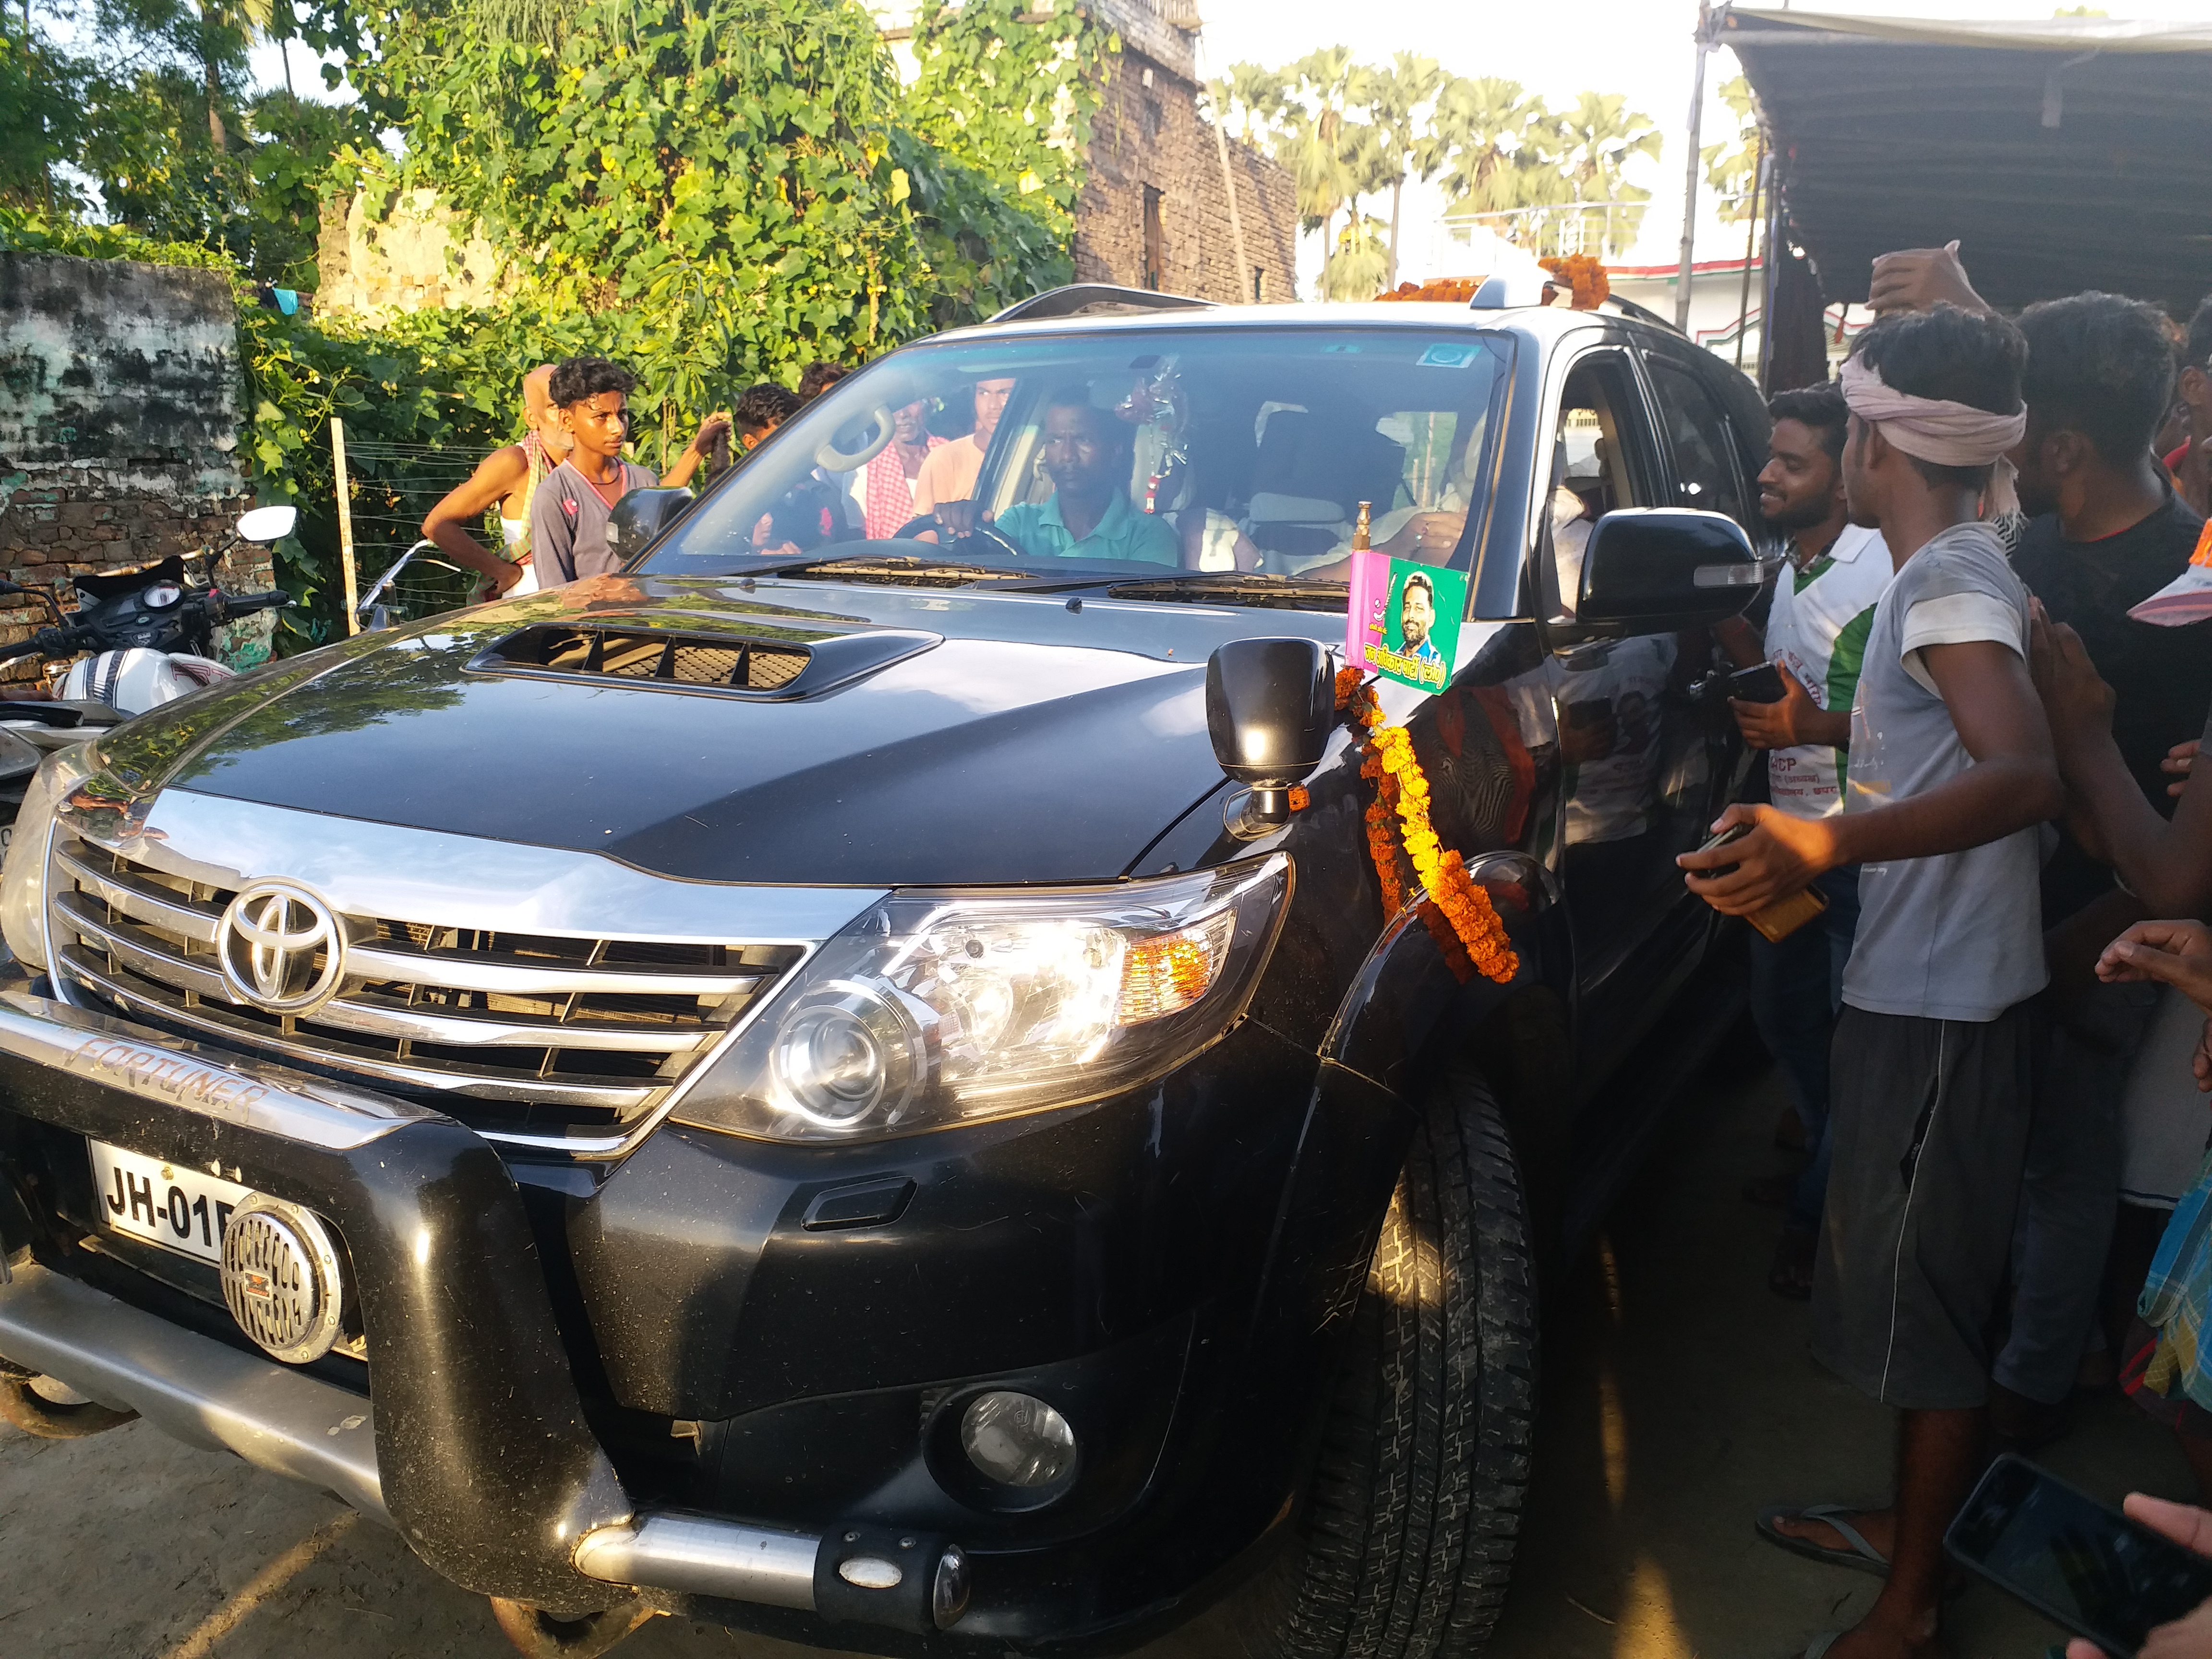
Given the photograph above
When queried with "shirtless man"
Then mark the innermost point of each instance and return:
(507, 475)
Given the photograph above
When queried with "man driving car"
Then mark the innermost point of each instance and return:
(1086, 455)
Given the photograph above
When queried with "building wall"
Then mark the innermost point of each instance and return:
(1148, 133)
(409, 259)
(119, 432)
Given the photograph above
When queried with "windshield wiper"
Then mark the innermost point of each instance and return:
(905, 569)
(1235, 587)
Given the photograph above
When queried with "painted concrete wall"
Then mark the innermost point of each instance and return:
(118, 428)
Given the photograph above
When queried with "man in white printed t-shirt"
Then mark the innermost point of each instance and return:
(1816, 637)
(1951, 775)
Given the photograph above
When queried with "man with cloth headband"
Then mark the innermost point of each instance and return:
(1951, 775)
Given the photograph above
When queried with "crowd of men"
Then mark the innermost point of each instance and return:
(555, 490)
(1972, 759)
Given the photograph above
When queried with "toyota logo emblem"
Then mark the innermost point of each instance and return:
(267, 944)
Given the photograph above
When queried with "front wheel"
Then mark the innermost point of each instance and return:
(1407, 1540)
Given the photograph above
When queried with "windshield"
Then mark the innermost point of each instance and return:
(1138, 454)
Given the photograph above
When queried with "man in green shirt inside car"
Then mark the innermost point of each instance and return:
(1086, 455)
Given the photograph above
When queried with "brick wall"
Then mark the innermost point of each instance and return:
(118, 430)
(1152, 136)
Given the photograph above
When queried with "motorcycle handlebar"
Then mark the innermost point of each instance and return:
(245, 605)
(50, 643)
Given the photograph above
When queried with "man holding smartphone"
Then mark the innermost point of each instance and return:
(1951, 772)
(1816, 637)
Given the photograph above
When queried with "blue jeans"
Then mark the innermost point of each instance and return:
(1797, 989)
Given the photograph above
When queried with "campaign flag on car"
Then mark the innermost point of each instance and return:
(1414, 637)
(1365, 606)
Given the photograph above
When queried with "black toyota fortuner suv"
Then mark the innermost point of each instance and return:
(852, 1079)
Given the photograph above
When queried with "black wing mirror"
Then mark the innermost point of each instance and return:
(1652, 568)
(643, 516)
(1269, 706)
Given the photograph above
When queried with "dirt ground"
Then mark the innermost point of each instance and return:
(1678, 1398)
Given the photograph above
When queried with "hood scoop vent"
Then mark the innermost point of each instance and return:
(713, 665)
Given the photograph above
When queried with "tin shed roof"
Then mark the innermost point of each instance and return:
(2064, 154)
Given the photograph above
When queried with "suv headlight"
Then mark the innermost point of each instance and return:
(935, 1009)
(23, 880)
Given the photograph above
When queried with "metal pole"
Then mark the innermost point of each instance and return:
(1690, 174)
(345, 521)
(1770, 273)
(1750, 246)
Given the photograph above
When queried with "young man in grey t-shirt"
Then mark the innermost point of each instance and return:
(1951, 772)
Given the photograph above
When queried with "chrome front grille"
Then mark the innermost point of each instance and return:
(515, 1034)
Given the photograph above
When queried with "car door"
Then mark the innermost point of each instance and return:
(1634, 762)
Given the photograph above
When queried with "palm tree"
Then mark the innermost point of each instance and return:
(1396, 99)
(1359, 261)
(1601, 133)
(1493, 144)
(236, 20)
(1731, 163)
(1324, 156)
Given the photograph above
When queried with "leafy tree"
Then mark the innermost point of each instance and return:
(1732, 164)
(1499, 148)
(1334, 159)
(1399, 100)
(1599, 135)
(995, 128)
(227, 27)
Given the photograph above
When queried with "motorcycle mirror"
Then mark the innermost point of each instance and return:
(264, 525)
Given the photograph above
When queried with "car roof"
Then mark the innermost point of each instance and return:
(1539, 322)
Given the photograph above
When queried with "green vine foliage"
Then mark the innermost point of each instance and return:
(1000, 121)
(712, 192)
(712, 179)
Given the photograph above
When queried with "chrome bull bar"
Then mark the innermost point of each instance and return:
(282, 1420)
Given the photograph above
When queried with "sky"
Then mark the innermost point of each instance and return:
(1644, 48)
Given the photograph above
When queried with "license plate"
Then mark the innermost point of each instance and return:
(172, 1204)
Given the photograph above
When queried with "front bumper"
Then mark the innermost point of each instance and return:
(1171, 1268)
(474, 1444)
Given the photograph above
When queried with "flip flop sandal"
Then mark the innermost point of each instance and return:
(1862, 1557)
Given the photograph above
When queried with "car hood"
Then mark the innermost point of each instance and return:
(1025, 737)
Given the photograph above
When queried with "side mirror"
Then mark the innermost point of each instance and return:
(1648, 568)
(642, 516)
(1269, 706)
(264, 525)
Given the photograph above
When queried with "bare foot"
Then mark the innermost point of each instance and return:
(1877, 1527)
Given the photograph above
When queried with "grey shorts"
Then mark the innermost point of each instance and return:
(1930, 1119)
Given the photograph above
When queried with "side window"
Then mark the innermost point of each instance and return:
(1704, 449)
(1597, 461)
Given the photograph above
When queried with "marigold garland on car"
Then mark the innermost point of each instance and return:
(1403, 791)
(1439, 290)
(1583, 276)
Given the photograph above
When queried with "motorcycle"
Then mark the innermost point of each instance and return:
(149, 631)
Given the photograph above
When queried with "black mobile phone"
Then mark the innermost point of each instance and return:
(1759, 684)
(1733, 832)
(2079, 1563)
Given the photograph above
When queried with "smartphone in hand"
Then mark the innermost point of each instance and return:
(2081, 1563)
(1759, 684)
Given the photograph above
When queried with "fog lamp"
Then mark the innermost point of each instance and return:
(1016, 1440)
